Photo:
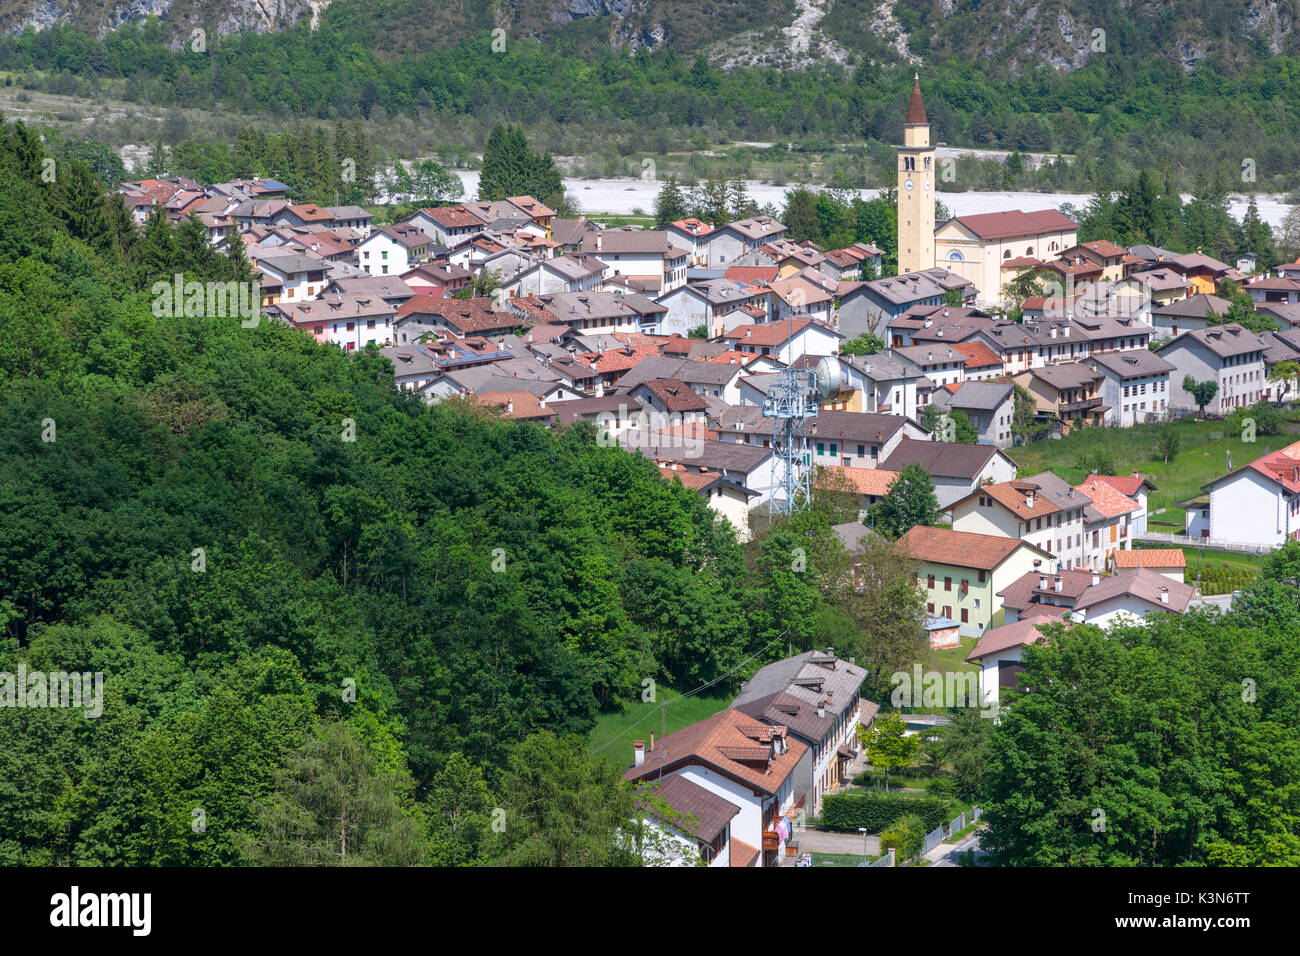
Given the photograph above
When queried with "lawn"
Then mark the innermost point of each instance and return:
(1117, 451)
(949, 658)
(615, 731)
(1209, 557)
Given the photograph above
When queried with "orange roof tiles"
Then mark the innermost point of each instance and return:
(960, 549)
(730, 742)
(1106, 498)
(978, 355)
(1151, 558)
(865, 481)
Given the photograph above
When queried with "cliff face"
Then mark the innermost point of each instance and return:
(179, 17)
(1002, 35)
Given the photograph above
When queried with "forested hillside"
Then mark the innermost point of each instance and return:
(274, 558)
(1139, 104)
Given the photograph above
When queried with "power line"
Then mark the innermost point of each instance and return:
(702, 687)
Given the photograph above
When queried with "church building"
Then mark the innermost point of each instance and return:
(988, 249)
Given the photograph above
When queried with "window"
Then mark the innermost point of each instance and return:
(947, 611)
(929, 580)
(947, 584)
(930, 607)
(965, 616)
(862, 450)
(983, 575)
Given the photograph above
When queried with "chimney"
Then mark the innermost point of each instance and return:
(1057, 584)
(1029, 498)
(821, 708)
(1042, 582)
(638, 752)
(652, 741)
(1164, 592)
(1096, 578)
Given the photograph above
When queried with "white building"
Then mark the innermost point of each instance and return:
(1227, 354)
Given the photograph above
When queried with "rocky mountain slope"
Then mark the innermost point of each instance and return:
(1013, 35)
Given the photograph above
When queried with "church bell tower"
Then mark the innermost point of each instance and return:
(915, 189)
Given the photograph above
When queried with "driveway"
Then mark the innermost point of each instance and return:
(821, 841)
(945, 854)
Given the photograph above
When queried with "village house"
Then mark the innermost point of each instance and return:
(1088, 596)
(1168, 562)
(1068, 393)
(852, 439)
(961, 572)
(957, 469)
(714, 305)
(292, 277)
(348, 321)
(786, 340)
(1134, 387)
(1184, 315)
(865, 485)
(887, 382)
(646, 259)
(392, 250)
(670, 395)
(988, 405)
(747, 763)
(1227, 354)
(568, 273)
(998, 655)
(816, 696)
(1106, 522)
(1257, 504)
(728, 243)
(1042, 509)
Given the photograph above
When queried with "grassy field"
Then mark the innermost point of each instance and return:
(613, 734)
(949, 658)
(1209, 557)
(1117, 451)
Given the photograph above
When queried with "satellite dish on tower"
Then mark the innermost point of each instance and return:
(828, 378)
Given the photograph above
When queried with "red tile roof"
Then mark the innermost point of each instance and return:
(865, 481)
(1127, 484)
(732, 743)
(978, 355)
(1013, 223)
(1151, 558)
(1106, 498)
(960, 549)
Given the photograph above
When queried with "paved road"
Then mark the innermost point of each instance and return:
(945, 854)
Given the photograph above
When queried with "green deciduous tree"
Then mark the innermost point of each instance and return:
(910, 501)
(887, 744)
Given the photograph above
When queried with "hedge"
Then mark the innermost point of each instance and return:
(877, 810)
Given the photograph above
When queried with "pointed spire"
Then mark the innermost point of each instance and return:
(916, 108)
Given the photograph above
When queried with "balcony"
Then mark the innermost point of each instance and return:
(771, 841)
(1069, 408)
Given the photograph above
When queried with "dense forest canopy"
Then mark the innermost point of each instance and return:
(272, 555)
